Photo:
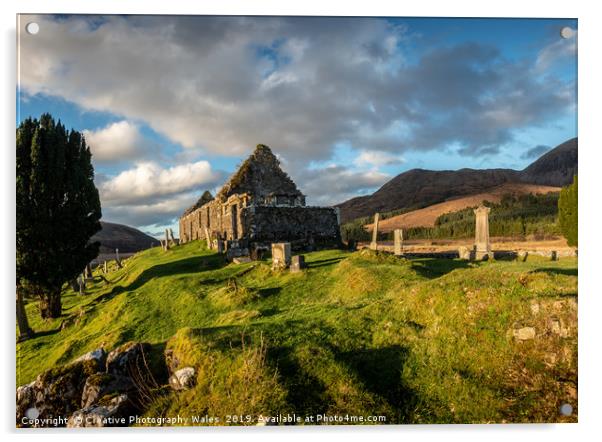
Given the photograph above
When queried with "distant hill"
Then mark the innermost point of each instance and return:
(555, 168)
(426, 217)
(419, 188)
(118, 236)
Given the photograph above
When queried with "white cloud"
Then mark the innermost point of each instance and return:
(335, 184)
(115, 142)
(555, 52)
(378, 158)
(301, 85)
(148, 180)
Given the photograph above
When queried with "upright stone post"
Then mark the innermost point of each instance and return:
(82, 284)
(398, 242)
(117, 259)
(105, 269)
(482, 244)
(374, 243)
(166, 239)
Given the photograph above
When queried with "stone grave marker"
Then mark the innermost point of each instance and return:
(374, 243)
(297, 263)
(398, 242)
(281, 255)
(482, 244)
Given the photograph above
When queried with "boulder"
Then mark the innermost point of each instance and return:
(110, 412)
(183, 379)
(99, 355)
(101, 384)
(25, 400)
(57, 392)
(128, 359)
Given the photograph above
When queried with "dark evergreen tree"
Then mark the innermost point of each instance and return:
(567, 212)
(58, 210)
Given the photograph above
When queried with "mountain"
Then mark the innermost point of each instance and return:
(118, 236)
(555, 168)
(418, 188)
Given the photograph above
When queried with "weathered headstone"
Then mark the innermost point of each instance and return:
(281, 255)
(482, 244)
(398, 242)
(173, 239)
(374, 243)
(166, 241)
(554, 255)
(466, 253)
(257, 253)
(219, 246)
(241, 259)
(82, 283)
(297, 263)
(117, 259)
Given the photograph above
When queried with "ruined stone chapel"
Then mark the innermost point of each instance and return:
(260, 205)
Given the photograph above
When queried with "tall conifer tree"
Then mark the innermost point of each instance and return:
(58, 210)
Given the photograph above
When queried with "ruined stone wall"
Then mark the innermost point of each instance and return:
(222, 220)
(272, 224)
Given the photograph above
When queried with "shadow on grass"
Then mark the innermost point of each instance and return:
(380, 369)
(40, 334)
(556, 271)
(182, 266)
(306, 394)
(271, 291)
(324, 262)
(434, 268)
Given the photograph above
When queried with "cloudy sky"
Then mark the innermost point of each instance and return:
(171, 105)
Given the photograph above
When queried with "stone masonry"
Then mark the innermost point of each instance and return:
(482, 244)
(262, 205)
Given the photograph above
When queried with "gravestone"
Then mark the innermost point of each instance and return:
(219, 246)
(398, 242)
(82, 283)
(482, 244)
(554, 255)
(374, 243)
(173, 239)
(466, 253)
(166, 241)
(281, 255)
(117, 259)
(297, 263)
(257, 253)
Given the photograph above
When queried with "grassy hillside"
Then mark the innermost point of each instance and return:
(419, 341)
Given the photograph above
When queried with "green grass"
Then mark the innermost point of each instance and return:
(418, 341)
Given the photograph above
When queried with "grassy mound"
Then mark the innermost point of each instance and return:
(363, 334)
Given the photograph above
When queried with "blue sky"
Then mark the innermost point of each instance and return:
(171, 105)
